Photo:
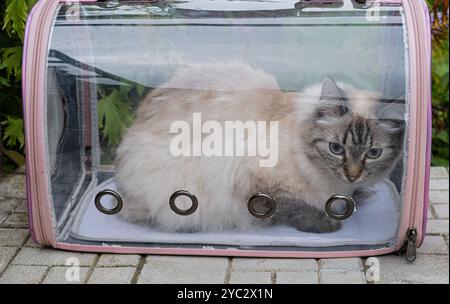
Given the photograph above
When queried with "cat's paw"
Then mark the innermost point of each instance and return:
(328, 225)
(324, 224)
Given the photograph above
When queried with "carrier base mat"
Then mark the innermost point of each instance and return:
(374, 223)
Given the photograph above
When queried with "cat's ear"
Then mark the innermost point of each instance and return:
(390, 114)
(330, 89)
(332, 103)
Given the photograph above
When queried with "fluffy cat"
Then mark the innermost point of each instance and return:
(330, 141)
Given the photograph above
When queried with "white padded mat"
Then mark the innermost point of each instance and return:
(375, 222)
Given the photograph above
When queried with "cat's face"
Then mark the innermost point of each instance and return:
(350, 145)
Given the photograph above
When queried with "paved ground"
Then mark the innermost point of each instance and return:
(21, 261)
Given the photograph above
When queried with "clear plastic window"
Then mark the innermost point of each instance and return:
(243, 123)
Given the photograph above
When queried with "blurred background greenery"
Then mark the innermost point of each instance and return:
(439, 17)
(13, 14)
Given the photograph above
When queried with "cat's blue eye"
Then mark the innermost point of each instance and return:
(337, 148)
(374, 153)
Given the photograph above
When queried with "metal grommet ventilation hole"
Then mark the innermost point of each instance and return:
(180, 211)
(350, 207)
(251, 205)
(103, 209)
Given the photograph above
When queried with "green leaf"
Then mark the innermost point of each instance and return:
(15, 17)
(140, 89)
(114, 115)
(31, 3)
(15, 156)
(12, 60)
(442, 136)
(439, 161)
(13, 133)
(7, 41)
(4, 82)
(125, 89)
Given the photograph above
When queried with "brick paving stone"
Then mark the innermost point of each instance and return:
(341, 264)
(3, 217)
(31, 243)
(441, 211)
(8, 205)
(427, 269)
(301, 277)
(16, 220)
(51, 257)
(341, 277)
(23, 275)
(63, 275)
(433, 245)
(6, 255)
(12, 237)
(437, 227)
(21, 207)
(438, 172)
(112, 275)
(252, 277)
(430, 214)
(113, 260)
(439, 184)
(257, 264)
(183, 270)
(13, 186)
(439, 197)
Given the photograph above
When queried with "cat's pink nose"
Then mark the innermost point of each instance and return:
(353, 172)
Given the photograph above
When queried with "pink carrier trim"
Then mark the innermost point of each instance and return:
(35, 55)
(41, 219)
(416, 197)
(429, 128)
(222, 252)
(24, 90)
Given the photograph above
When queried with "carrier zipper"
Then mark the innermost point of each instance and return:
(410, 249)
(411, 246)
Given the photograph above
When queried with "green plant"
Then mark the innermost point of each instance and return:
(13, 14)
(114, 113)
(440, 78)
(114, 110)
(440, 103)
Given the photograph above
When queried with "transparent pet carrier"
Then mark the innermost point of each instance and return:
(253, 128)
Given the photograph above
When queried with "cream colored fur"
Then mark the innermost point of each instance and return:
(147, 174)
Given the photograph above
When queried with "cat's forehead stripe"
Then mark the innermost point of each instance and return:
(359, 131)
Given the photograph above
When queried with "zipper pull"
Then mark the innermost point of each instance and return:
(411, 247)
